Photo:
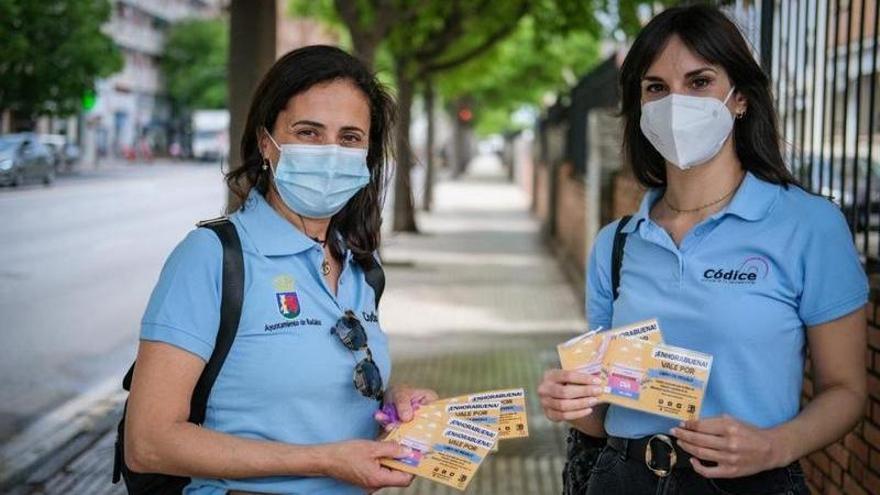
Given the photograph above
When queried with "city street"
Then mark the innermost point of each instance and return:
(77, 263)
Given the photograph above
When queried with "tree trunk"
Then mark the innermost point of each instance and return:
(404, 212)
(428, 200)
(462, 151)
(365, 49)
(510, 156)
(252, 30)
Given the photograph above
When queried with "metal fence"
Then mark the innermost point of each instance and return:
(824, 64)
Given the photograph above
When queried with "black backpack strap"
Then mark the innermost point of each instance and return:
(617, 255)
(231, 300)
(232, 263)
(374, 275)
(583, 450)
(232, 297)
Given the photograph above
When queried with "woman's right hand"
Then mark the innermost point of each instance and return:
(568, 395)
(357, 462)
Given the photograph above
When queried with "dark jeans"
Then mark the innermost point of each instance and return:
(613, 474)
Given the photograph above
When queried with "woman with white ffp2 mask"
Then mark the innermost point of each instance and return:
(734, 259)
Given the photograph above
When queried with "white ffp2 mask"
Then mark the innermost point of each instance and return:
(687, 130)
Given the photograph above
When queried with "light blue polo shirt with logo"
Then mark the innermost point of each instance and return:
(743, 286)
(287, 377)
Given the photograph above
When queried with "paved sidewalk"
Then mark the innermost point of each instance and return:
(473, 303)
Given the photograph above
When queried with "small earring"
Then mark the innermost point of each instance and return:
(265, 164)
(741, 115)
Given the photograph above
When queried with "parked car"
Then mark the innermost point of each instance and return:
(54, 143)
(64, 154)
(71, 153)
(24, 158)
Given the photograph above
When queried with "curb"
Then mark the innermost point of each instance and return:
(86, 415)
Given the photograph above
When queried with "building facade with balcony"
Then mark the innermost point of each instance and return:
(132, 112)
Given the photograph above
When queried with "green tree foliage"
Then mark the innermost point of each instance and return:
(519, 72)
(51, 53)
(554, 44)
(194, 63)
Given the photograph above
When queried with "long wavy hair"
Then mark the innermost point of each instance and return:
(715, 38)
(359, 222)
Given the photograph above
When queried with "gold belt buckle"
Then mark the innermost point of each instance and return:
(649, 456)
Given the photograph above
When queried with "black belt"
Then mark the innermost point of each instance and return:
(660, 453)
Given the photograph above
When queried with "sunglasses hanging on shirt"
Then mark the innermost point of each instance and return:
(367, 378)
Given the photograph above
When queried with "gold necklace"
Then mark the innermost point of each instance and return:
(713, 203)
(325, 264)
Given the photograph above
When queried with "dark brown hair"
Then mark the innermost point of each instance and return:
(715, 38)
(359, 222)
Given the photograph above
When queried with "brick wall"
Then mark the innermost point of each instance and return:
(851, 466)
(571, 242)
(524, 161)
(542, 192)
(627, 194)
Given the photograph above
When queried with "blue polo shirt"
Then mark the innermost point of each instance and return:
(287, 377)
(743, 286)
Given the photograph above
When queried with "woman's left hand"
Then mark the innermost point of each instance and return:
(739, 449)
(404, 397)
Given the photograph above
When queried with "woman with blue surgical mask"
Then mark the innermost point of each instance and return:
(735, 259)
(293, 408)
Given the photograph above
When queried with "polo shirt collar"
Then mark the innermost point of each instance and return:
(753, 201)
(271, 234)
(651, 196)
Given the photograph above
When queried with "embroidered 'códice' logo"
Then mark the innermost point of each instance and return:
(752, 270)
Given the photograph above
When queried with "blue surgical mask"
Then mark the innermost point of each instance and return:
(317, 181)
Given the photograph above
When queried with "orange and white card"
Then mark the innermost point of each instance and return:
(514, 421)
(639, 371)
(443, 448)
(586, 353)
(656, 378)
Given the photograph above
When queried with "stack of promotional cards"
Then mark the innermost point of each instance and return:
(513, 422)
(639, 371)
(450, 438)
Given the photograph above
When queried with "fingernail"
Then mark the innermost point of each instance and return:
(682, 425)
(597, 381)
(592, 401)
(673, 432)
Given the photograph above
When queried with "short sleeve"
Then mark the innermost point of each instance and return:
(834, 282)
(599, 300)
(184, 308)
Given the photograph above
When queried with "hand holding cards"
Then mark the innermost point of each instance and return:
(639, 371)
(450, 438)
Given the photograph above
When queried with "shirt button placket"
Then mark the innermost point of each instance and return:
(681, 261)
